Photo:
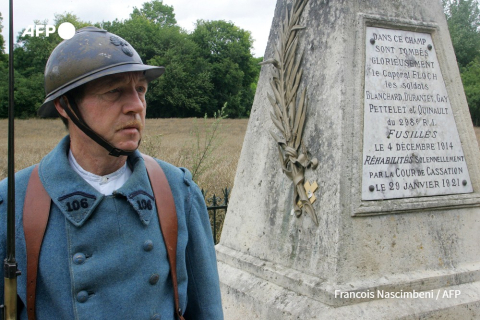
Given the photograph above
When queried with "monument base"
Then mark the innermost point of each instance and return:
(245, 295)
(257, 289)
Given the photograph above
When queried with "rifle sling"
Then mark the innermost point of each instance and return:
(167, 216)
(36, 211)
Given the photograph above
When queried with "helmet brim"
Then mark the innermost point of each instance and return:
(48, 110)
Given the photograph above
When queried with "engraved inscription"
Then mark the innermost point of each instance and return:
(411, 146)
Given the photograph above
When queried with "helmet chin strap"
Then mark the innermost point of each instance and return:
(75, 116)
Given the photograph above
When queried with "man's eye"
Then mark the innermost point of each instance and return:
(114, 91)
(142, 89)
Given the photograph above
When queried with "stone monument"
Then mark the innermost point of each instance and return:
(357, 189)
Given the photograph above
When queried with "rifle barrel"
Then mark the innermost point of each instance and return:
(10, 264)
(11, 150)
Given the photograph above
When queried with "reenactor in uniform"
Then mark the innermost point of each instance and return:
(105, 252)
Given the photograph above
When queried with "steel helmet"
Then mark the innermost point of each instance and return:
(90, 54)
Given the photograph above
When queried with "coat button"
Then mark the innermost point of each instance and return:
(156, 316)
(148, 245)
(79, 258)
(154, 279)
(82, 296)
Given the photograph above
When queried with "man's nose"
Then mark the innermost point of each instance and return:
(133, 101)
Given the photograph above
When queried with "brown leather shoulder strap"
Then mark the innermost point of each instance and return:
(167, 215)
(36, 209)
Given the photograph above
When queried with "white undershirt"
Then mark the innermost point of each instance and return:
(103, 184)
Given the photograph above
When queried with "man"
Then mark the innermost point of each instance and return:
(103, 255)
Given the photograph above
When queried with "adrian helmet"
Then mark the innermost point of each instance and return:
(90, 54)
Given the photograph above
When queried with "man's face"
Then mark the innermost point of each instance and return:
(114, 106)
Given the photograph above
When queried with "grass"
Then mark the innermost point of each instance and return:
(166, 139)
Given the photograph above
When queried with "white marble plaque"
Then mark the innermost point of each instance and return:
(411, 146)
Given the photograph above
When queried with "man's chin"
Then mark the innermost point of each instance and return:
(129, 146)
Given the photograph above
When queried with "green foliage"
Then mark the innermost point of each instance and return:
(463, 18)
(3, 89)
(155, 11)
(204, 69)
(227, 48)
(471, 84)
(2, 41)
(28, 92)
(183, 90)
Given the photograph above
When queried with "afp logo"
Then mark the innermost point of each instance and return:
(66, 30)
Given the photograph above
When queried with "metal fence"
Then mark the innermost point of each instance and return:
(217, 207)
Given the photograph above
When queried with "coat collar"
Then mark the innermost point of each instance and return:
(77, 199)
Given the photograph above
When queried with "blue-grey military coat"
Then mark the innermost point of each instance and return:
(103, 257)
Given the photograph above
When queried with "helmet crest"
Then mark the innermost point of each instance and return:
(120, 42)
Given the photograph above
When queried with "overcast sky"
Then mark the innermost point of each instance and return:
(252, 15)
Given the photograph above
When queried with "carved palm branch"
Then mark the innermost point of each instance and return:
(289, 110)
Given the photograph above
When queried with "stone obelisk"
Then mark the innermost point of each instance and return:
(357, 189)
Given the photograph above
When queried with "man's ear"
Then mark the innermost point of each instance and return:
(59, 108)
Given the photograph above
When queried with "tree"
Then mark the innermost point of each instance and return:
(227, 48)
(463, 19)
(155, 11)
(184, 90)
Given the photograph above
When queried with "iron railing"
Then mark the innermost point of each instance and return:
(215, 204)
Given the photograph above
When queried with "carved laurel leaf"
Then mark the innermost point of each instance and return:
(279, 140)
(297, 27)
(291, 114)
(277, 123)
(272, 100)
(291, 49)
(298, 77)
(276, 92)
(295, 69)
(298, 10)
(276, 109)
(301, 123)
(279, 56)
(288, 108)
(297, 81)
(270, 61)
(288, 74)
